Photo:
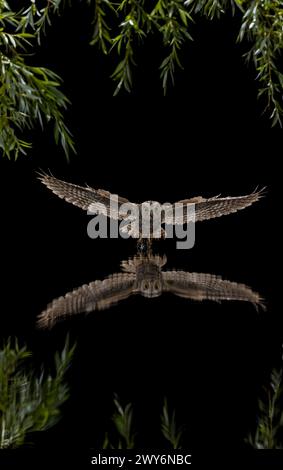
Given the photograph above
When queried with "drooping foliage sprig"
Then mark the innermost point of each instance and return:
(137, 19)
(29, 95)
(261, 26)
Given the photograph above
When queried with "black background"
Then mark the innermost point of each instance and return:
(206, 137)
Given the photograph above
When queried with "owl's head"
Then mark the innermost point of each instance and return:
(151, 288)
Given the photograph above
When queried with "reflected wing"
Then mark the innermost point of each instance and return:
(98, 295)
(210, 208)
(200, 286)
(86, 198)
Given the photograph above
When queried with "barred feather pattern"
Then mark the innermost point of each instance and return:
(86, 197)
(210, 208)
(91, 199)
(202, 286)
(143, 275)
(98, 295)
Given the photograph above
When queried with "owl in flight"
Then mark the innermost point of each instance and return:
(143, 275)
(92, 200)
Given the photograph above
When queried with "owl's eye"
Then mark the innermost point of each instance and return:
(146, 285)
(156, 286)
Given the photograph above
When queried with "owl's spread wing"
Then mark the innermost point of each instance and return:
(86, 197)
(98, 295)
(200, 286)
(209, 208)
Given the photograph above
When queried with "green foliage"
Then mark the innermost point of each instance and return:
(28, 95)
(175, 18)
(37, 17)
(31, 95)
(137, 20)
(270, 415)
(211, 8)
(134, 18)
(263, 26)
(101, 32)
(123, 422)
(29, 403)
(169, 428)
(124, 437)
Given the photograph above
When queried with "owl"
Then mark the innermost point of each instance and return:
(147, 213)
(143, 275)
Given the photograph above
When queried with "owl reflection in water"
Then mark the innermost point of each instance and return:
(143, 274)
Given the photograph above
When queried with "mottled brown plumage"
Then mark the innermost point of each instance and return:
(143, 275)
(91, 199)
